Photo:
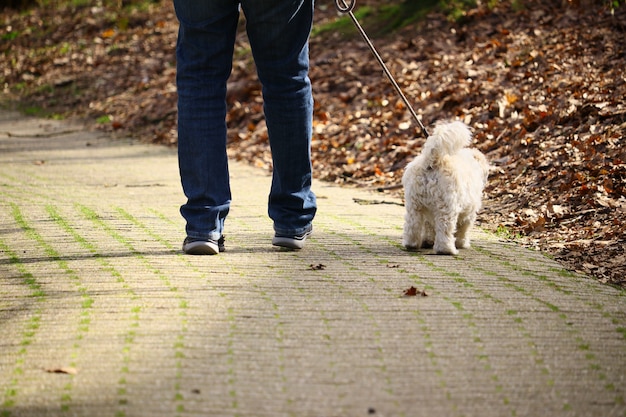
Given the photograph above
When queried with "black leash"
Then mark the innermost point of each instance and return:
(346, 8)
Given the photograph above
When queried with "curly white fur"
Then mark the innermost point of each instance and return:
(443, 189)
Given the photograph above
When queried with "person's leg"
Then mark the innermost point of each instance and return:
(204, 61)
(279, 31)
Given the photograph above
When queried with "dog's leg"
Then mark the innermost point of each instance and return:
(411, 238)
(462, 232)
(408, 237)
(413, 227)
(444, 235)
(428, 237)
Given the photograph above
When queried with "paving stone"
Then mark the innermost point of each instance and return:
(93, 281)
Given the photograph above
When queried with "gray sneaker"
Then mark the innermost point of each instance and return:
(193, 246)
(292, 242)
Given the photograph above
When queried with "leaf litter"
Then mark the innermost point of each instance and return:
(544, 89)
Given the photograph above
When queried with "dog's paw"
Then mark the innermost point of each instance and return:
(462, 244)
(445, 250)
(411, 248)
(428, 244)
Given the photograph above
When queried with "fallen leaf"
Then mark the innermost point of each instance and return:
(318, 267)
(67, 370)
(411, 292)
(109, 33)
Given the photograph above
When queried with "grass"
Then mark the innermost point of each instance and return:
(379, 21)
(342, 25)
(504, 232)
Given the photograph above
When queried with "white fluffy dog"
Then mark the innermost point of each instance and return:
(443, 190)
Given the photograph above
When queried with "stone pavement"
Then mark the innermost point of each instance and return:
(102, 315)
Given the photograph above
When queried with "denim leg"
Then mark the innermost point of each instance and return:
(204, 61)
(278, 31)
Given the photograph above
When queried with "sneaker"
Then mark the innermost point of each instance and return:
(292, 242)
(193, 246)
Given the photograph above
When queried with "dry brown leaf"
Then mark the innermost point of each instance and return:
(67, 370)
(410, 292)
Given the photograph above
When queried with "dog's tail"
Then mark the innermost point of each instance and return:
(447, 139)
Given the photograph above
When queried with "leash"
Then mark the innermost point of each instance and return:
(346, 8)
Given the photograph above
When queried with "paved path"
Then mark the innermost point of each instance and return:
(102, 315)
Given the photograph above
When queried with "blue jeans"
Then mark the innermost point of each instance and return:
(278, 31)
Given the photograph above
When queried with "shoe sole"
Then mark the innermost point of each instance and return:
(290, 242)
(201, 248)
